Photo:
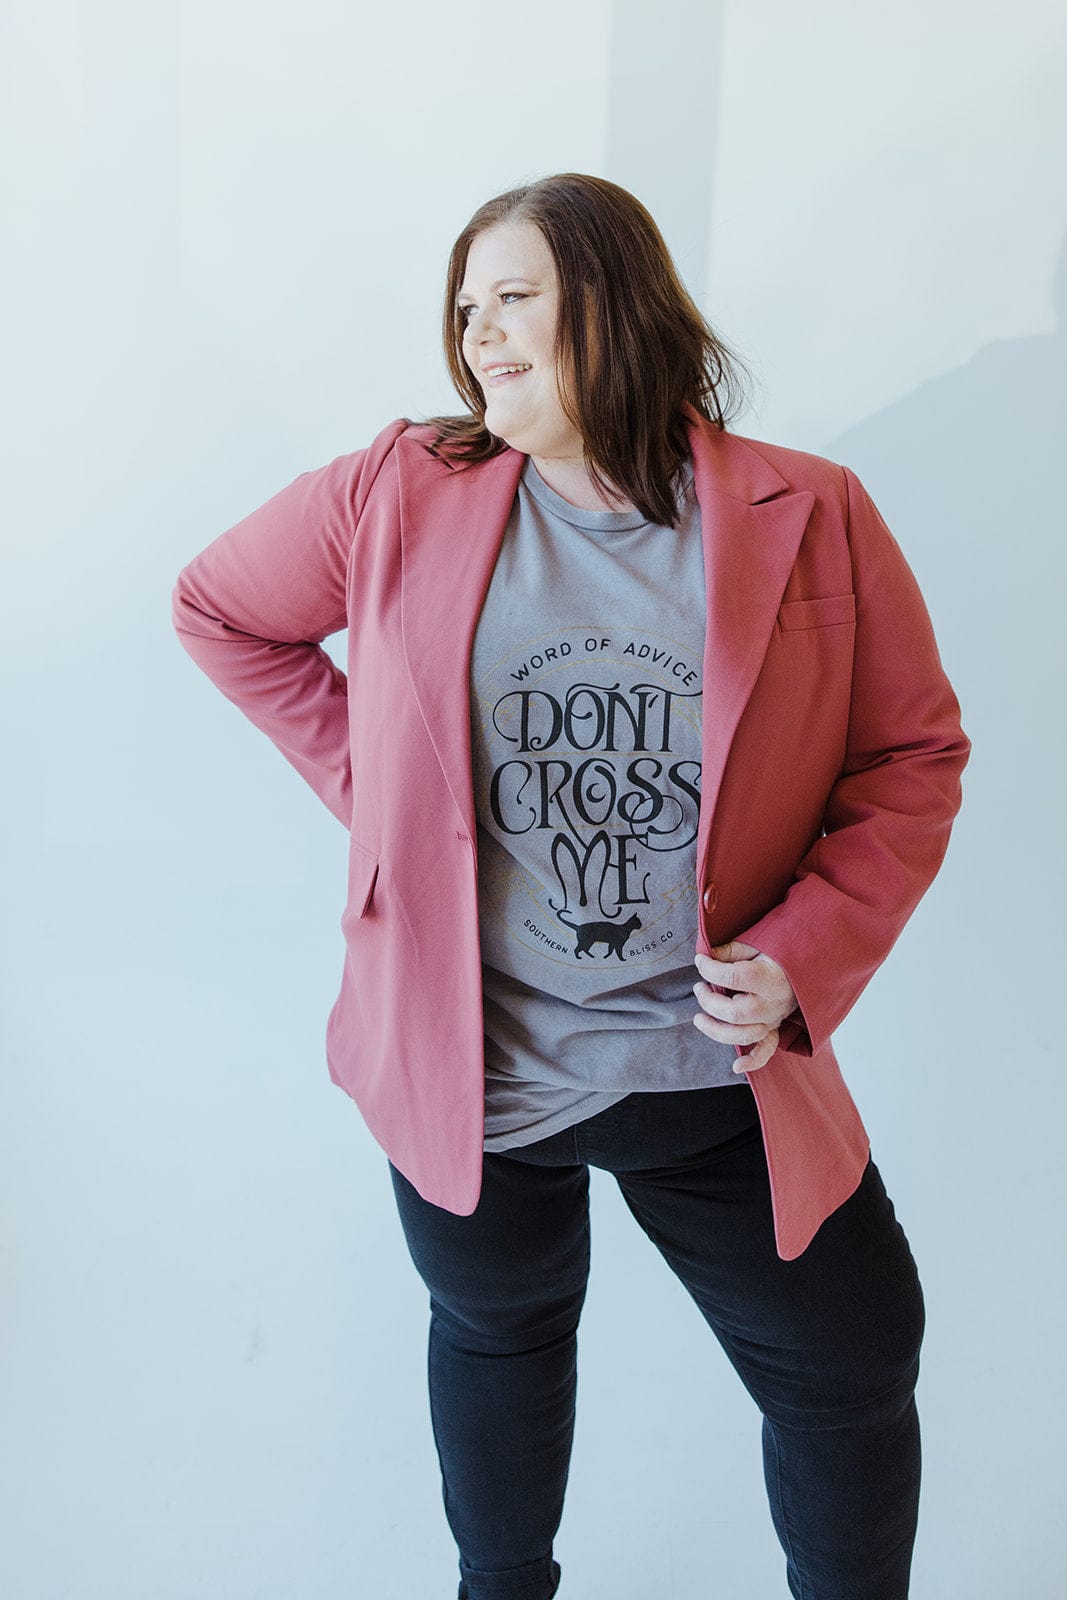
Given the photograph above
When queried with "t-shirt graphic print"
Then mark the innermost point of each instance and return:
(586, 714)
(592, 755)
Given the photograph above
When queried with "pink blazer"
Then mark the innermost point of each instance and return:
(832, 754)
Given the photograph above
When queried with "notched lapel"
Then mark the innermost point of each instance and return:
(752, 526)
(452, 524)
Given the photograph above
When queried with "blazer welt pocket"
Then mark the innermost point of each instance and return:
(362, 876)
(823, 612)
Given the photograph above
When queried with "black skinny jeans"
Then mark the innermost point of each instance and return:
(827, 1344)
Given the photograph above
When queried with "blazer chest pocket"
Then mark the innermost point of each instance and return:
(827, 611)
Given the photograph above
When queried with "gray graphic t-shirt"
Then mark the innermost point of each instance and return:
(586, 698)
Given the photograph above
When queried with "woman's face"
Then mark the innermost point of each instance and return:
(510, 302)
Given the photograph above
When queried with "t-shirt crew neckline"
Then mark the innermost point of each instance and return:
(592, 521)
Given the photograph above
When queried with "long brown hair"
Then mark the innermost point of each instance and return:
(616, 272)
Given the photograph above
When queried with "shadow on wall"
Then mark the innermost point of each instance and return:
(968, 472)
(663, 145)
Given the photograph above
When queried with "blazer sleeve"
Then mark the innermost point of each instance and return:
(890, 812)
(253, 608)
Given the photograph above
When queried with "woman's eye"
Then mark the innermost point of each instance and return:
(509, 294)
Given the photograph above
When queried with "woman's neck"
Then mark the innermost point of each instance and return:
(571, 481)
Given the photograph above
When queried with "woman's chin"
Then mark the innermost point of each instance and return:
(506, 427)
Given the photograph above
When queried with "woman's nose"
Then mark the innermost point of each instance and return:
(480, 325)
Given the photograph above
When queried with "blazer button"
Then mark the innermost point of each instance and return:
(709, 897)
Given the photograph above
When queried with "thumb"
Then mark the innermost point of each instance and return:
(735, 950)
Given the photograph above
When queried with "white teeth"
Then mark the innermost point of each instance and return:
(492, 372)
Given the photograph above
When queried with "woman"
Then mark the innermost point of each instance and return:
(636, 710)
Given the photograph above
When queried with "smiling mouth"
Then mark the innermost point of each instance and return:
(492, 379)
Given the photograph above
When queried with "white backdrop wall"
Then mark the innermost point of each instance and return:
(226, 227)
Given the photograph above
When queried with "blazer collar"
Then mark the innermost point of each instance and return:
(452, 524)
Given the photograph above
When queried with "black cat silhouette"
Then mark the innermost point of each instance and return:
(612, 934)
